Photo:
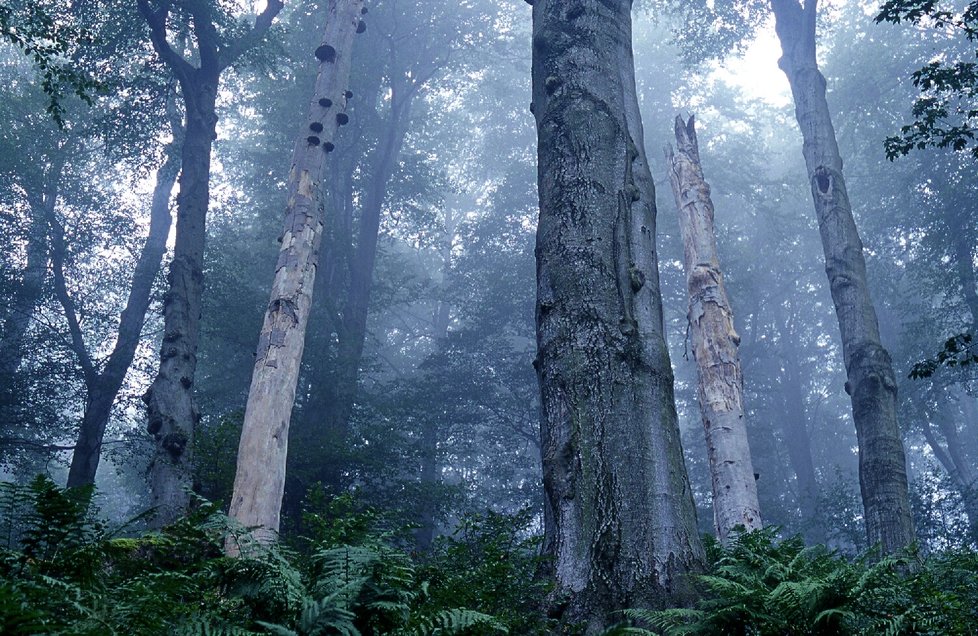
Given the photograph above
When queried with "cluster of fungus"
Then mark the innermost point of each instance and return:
(327, 53)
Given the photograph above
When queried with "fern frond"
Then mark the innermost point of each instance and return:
(455, 621)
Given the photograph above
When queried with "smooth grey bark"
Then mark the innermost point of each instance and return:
(619, 516)
(103, 386)
(871, 382)
(259, 482)
(715, 341)
(171, 413)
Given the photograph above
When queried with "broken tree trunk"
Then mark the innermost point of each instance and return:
(260, 479)
(721, 382)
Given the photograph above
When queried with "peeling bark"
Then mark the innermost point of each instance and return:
(620, 521)
(259, 483)
(869, 369)
(721, 381)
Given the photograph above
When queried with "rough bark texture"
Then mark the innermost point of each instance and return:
(171, 413)
(715, 342)
(619, 513)
(260, 479)
(103, 387)
(871, 381)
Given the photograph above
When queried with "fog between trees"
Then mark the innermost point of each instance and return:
(484, 252)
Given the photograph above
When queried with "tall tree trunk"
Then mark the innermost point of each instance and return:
(620, 518)
(352, 268)
(431, 431)
(715, 342)
(103, 388)
(171, 413)
(794, 428)
(871, 381)
(353, 329)
(961, 472)
(260, 479)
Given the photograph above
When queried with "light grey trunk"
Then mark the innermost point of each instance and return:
(620, 520)
(871, 381)
(171, 412)
(715, 342)
(260, 479)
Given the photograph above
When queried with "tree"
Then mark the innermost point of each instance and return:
(103, 385)
(619, 516)
(420, 42)
(172, 414)
(260, 480)
(715, 343)
(871, 382)
(945, 114)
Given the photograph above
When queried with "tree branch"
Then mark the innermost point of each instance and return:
(157, 33)
(61, 292)
(253, 37)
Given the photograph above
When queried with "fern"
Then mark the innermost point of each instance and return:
(455, 621)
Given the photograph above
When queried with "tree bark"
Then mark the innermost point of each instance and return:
(620, 521)
(171, 413)
(260, 479)
(871, 381)
(721, 380)
(103, 387)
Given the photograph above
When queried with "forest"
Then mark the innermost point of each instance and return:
(430, 317)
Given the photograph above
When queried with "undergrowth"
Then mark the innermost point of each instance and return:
(759, 586)
(62, 571)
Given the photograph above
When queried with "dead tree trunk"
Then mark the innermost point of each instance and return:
(715, 342)
(871, 381)
(260, 479)
(171, 413)
(620, 521)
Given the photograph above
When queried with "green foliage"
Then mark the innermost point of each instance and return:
(763, 587)
(48, 34)
(62, 571)
(959, 350)
(491, 563)
(944, 113)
